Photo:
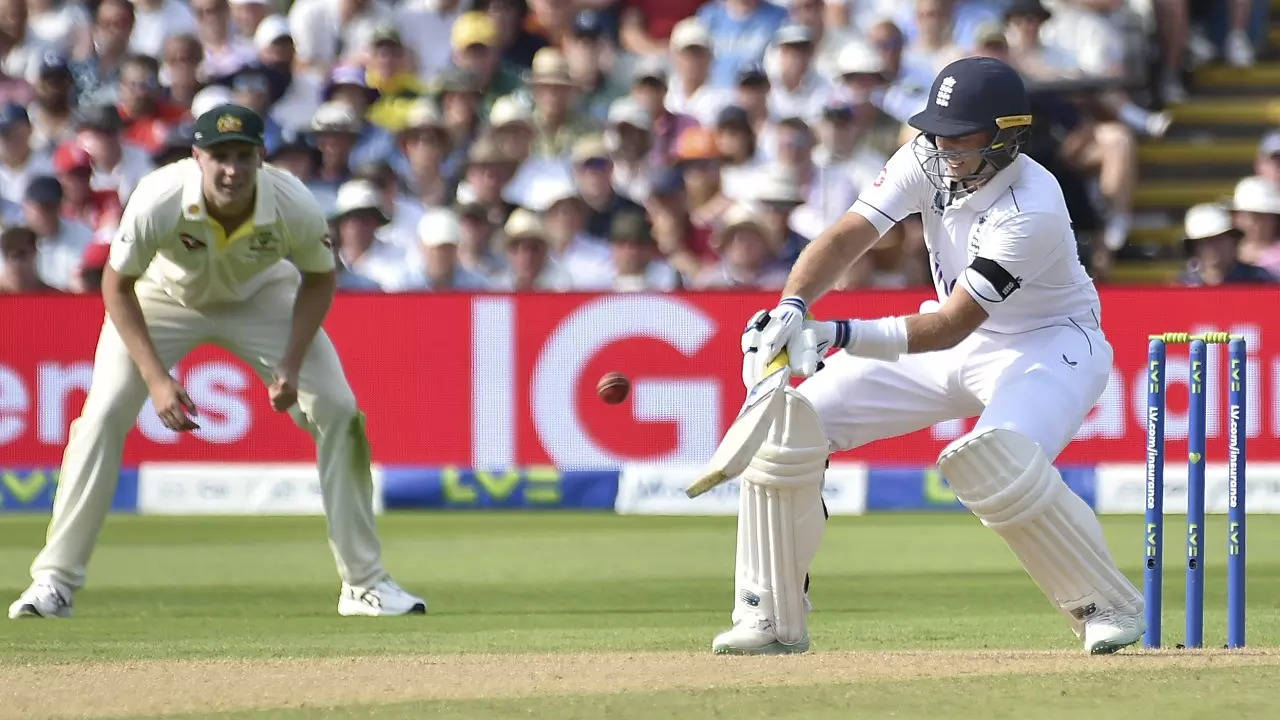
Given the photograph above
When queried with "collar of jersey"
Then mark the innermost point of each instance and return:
(986, 195)
(193, 207)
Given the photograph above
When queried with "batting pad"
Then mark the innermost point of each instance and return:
(780, 518)
(1003, 477)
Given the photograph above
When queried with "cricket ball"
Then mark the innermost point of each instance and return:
(613, 387)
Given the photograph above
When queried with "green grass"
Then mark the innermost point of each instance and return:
(561, 582)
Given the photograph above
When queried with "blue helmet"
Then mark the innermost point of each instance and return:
(973, 95)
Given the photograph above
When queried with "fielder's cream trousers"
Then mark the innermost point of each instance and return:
(254, 330)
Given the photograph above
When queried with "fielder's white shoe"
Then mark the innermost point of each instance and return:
(755, 636)
(384, 598)
(42, 599)
(1110, 630)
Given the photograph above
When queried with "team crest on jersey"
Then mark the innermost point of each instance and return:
(943, 99)
(229, 124)
(191, 242)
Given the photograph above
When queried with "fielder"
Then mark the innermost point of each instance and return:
(1017, 341)
(209, 251)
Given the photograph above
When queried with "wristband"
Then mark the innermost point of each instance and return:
(883, 339)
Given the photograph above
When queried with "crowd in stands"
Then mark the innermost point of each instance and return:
(626, 145)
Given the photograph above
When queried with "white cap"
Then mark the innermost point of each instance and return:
(422, 113)
(439, 227)
(626, 110)
(690, 32)
(524, 223)
(271, 29)
(551, 190)
(1207, 220)
(858, 57)
(507, 109)
(739, 215)
(777, 186)
(335, 117)
(357, 195)
(248, 2)
(793, 33)
(209, 98)
(1256, 194)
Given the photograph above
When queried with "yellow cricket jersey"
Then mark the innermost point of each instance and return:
(166, 237)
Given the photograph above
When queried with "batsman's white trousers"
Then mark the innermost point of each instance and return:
(253, 330)
(1041, 384)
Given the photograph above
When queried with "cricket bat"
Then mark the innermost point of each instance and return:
(747, 432)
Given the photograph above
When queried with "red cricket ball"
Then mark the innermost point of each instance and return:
(613, 387)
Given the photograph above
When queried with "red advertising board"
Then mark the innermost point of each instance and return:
(503, 380)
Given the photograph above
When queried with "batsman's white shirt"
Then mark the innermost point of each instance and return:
(1039, 362)
(167, 237)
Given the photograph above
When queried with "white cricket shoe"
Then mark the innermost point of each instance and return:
(1110, 630)
(755, 636)
(384, 598)
(42, 599)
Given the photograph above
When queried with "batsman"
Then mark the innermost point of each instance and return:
(1015, 339)
(217, 248)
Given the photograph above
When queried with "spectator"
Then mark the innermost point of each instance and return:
(593, 174)
(555, 126)
(516, 43)
(934, 45)
(827, 194)
(424, 144)
(116, 166)
(475, 247)
(635, 265)
(582, 257)
(61, 26)
(746, 261)
(776, 198)
(590, 64)
(460, 109)
(99, 209)
(1097, 34)
(60, 243)
(224, 52)
(180, 71)
(907, 81)
(146, 116)
(677, 239)
(91, 267)
(475, 51)
(690, 93)
(14, 89)
(302, 87)
(646, 25)
(246, 16)
(402, 211)
(18, 267)
(95, 74)
(436, 268)
(177, 145)
(156, 21)
(827, 41)
(740, 32)
(1032, 58)
(251, 87)
(752, 95)
(487, 173)
(347, 87)
(1256, 206)
(1238, 50)
(529, 267)
(842, 143)
(18, 162)
(1212, 243)
(741, 163)
(20, 50)
(1267, 163)
(797, 91)
(321, 28)
(512, 128)
(699, 161)
(649, 90)
(390, 74)
(334, 130)
(428, 23)
(51, 115)
(357, 216)
(550, 19)
(630, 139)
(302, 160)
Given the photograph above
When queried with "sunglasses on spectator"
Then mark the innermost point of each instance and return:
(595, 163)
